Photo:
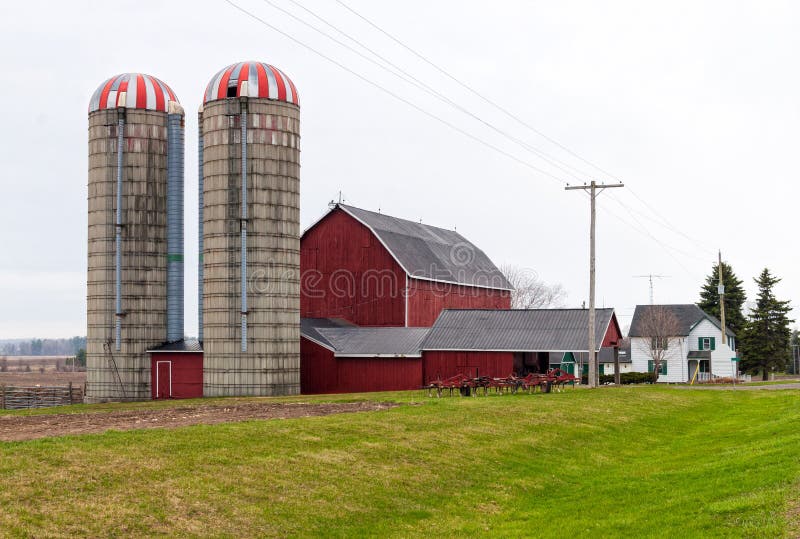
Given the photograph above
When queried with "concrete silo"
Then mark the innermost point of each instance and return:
(250, 219)
(135, 270)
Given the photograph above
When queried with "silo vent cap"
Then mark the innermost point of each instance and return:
(251, 79)
(134, 91)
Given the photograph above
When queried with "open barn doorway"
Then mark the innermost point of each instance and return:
(531, 362)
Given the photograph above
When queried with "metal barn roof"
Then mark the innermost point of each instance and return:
(687, 315)
(251, 79)
(309, 328)
(352, 341)
(517, 330)
(183, 345)
(431, 253)
(133, 91)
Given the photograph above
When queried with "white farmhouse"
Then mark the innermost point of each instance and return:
(696, 352)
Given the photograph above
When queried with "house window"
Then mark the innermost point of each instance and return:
(662, 367)
(706, 343)
(659, 343)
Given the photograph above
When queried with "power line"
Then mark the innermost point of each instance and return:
(473, 91)
(409, 78)
(630, 212)
(641, 229)
(416, 82)
(511, 115)
(394, 95)
(666, 224)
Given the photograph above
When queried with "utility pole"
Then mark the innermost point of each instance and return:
(593, 189)
(721, 290)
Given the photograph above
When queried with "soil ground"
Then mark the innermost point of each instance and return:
(48, 378)
(16, 428)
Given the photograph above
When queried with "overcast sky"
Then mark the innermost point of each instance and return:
(694, 105)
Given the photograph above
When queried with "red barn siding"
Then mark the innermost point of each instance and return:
(317, 368)
(378, 374)
(444, 364)
(186, 374)
(427, 299)
(321, 372)
(347, 273)
(613, 334)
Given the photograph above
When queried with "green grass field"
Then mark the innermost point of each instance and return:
(644, 461)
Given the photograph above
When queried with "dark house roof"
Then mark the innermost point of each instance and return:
(354, 341)
(431, 253)
(517, 330)
(687, 315)
(183, 345)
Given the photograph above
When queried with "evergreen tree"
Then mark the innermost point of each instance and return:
(734, 297)
(765, 342)
(80, 357)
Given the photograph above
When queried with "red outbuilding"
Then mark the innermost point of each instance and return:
(376, 270)
(176, 370)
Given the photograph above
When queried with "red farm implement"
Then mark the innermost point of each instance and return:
(466, 386)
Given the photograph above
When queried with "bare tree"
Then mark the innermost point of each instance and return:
(530, 292)
(659, 328)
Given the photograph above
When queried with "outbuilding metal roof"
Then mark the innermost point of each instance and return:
(133, 91)
(516, 330)
(251, 79)
(687, 315)
(183, 345)
(431, 253)
(353, 341)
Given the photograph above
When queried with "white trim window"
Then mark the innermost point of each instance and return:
(659, 343)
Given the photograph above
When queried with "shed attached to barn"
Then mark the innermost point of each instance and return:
(338, 357)
(499, 342)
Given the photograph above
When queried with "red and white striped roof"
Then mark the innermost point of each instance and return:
(133, 91)
(252, 79)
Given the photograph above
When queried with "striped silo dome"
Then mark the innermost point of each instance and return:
(133, 91)
(262, 80)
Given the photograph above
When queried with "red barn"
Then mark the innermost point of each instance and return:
(337, 356)
(375, 270)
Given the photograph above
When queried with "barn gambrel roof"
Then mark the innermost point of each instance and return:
(517, 330)
(429, 253)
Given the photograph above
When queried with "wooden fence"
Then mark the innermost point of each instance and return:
(18, 398)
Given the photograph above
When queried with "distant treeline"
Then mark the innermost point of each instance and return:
(43, 347)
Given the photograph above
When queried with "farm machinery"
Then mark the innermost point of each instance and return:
(466, 386)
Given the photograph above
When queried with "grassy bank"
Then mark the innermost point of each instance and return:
(648, 461)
